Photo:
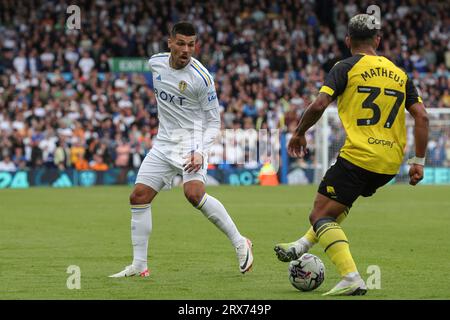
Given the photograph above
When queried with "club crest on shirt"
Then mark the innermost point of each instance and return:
(182, 86)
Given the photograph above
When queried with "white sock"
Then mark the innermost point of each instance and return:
(304, 243)
(217, 214)
(352, 276)
(141, 227)
(350, 279)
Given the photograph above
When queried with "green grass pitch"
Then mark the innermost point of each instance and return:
(403, 230)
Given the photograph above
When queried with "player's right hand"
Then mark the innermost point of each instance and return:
(297, 146)
(194, 161)
(415, 174)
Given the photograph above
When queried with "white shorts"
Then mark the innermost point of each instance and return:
(158, 170)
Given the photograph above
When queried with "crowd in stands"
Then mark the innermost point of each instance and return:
(62, 106)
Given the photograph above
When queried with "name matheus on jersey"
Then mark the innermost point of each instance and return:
(383, 72)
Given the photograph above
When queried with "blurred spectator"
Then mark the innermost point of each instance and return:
(7, 165)
(36, 154)
(98, 164)
(86, 64)
(62, 157)
(79, 162)
(123, 150)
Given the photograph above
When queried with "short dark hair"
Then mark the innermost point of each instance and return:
(362, 28)
(184, 28)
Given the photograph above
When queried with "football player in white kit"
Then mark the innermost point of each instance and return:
(189, 122)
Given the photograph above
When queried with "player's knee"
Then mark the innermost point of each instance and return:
(134, 198)
(139, 197)
(194, 196)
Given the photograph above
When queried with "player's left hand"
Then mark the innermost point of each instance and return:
(415, 174)
(194, 162)
(297, 146)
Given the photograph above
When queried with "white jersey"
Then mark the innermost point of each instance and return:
(183, 96)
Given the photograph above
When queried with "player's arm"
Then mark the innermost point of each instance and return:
(210, 106)
(297, 144)
(313, 113)
(334, 85)
(149, 64)
(196, 158)
(417, 110)
(420, 116)
(212, 117)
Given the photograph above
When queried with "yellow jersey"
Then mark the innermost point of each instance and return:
(372, 95)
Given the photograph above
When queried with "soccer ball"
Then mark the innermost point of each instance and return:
(307, 272)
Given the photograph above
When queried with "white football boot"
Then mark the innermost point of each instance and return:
(245, 256)
(350, 285)
(130, 271)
